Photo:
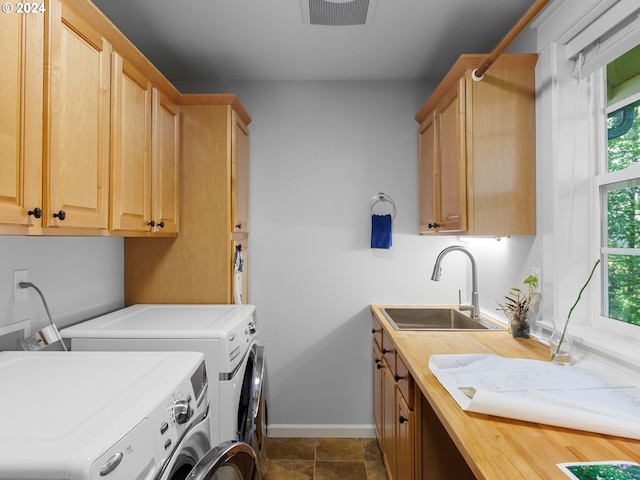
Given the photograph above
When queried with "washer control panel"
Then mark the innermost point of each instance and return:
(187, 404)
(236, 343)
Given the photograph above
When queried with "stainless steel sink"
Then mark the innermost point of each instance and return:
(435, 319)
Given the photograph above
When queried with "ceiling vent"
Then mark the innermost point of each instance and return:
(338, 13)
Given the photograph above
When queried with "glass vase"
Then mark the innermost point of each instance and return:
(520, 327)
(561, 346)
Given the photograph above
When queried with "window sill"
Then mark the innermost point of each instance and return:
(596, 344)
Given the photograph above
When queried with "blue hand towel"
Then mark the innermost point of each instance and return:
(381, 231)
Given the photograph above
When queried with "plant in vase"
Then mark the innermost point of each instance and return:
(560, 343)
(517, 305)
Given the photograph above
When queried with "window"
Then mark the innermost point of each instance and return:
(619, 184)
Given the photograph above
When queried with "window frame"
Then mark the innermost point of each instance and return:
(603, 179)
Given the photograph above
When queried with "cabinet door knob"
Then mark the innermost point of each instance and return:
(36, 212)
(397, 377)
(377, 360)
(385, 351)
(379, 366)
(161, 225)
(239, 226)
(152, 223)
(61, 215)
(373, 330)
(403, 419)
(433, 225)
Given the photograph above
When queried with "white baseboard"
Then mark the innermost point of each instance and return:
(321, 431)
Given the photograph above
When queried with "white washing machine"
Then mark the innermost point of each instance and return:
(121, 416)
(226, 334)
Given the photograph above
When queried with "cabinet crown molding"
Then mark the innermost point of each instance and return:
(469, 62)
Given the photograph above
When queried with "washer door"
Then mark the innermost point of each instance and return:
(252, 411)
(228, 461)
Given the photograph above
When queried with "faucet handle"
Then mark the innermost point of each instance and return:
(465, 308)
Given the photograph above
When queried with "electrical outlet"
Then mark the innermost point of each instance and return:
(20, 276)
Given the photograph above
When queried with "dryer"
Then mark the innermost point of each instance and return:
(227, 336)
(122, 416)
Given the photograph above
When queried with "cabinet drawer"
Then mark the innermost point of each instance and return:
(389, 351)
(376, 330)
(404, 380)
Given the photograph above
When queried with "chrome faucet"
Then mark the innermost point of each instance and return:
(437, 270)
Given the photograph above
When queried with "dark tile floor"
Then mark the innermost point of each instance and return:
(325, 459)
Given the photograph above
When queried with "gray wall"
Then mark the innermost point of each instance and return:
(319, 152)
(80, 278)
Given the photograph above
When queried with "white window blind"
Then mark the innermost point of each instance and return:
(600, 51)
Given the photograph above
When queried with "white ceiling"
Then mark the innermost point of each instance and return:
(230, 40)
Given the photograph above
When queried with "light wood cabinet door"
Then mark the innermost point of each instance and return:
(130, 149)
(21, 78)
(388, 422)
(428, 177)
(501, 172)
(165, 164)
(377, 389)
(239, 174)
(77, 121)
(405, 439)
(451, 161)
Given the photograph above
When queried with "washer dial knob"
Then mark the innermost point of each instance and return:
(182, 411)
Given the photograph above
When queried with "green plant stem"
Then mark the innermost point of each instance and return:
(564, 330)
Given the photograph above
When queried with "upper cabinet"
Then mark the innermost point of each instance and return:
(77, 121)
(130, 148)
(239, 173)
(165, 164)
(21, 78)
(144, 159)
(214, 146)
(89, 131)
(477, 150)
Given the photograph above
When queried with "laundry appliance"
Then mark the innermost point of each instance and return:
(227, 336)
(121, 416)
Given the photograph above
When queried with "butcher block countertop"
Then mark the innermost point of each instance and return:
(498, 448)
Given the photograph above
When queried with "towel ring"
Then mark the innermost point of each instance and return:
(383, 197)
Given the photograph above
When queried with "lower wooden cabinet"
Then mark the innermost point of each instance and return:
(405, 439)
(393, 409)
(414, 443)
